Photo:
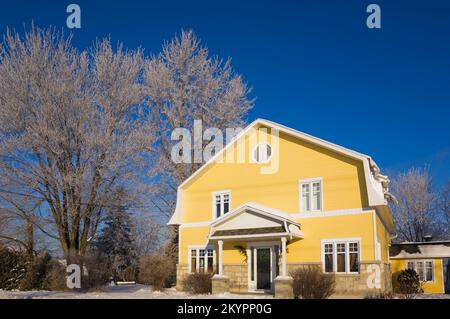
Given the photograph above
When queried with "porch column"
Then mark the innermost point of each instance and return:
(220, 242)
(283, 256)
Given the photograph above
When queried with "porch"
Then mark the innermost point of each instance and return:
(261, 235)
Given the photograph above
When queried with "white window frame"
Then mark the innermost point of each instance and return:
(221, 193)
(310, 181)
(347, 242)
(256, 147)
(423, 262)
(197, 262)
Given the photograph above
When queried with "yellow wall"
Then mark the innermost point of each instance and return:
(343, 187)
(384, 238)
(343, 181)
(437, 286)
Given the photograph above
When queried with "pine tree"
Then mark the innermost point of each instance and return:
(117, 244)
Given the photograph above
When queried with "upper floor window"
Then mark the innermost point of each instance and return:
(341, 256)
(311, 195)
(262, 153)
(221, 203)
(424, 268)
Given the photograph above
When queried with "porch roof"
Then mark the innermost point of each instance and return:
(254, 221)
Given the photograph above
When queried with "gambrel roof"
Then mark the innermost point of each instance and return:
(376, 183)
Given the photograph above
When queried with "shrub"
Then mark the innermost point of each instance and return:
(55, 278)
(198, 283)
(12, 268)
(36, 272)
(96, 272)
(408, 283)
(380, 295)
(154, 270)
(312, 283)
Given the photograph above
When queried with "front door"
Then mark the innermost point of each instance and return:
(263, 268)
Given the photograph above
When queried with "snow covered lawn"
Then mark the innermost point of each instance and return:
(123, 292)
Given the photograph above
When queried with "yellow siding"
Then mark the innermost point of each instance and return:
(343, 181)
(384, 239)
(437, 286)
(316, 229)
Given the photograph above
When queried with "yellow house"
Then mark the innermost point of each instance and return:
(275, 199)
(430, 259)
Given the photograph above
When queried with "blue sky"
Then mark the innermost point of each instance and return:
(313, 65)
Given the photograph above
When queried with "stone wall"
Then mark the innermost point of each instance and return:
(346, 284)
(238, 275)
(357, 284)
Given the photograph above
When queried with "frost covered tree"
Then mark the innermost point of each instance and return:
(414, 213)
(182, 84)
(70, 134)
(117, 243)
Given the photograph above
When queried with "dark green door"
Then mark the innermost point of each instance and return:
(263, 268)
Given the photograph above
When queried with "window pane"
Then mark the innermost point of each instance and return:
(316, 201)
(328, 262)
(226, 203)
(210, 263)
(218, 206)
(340, 262)
(328, 248)
(353, 247)
(410, 265)
(193, 260)
(251, 264)
(340, 247)
(420, 270)
(305, 197)
(202, 264)
(354, 267)
(429, 271)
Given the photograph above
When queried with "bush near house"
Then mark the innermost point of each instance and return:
(12, 268)
(312, 283)
(154, 270)
(198, 283)
(408, 283)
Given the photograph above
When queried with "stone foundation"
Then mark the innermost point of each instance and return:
(220, 284)
(238, 275)
(346, 284)
(359, 284)
(284, 287)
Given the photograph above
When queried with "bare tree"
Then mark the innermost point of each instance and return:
(69, 131)
(444, 207)
(415, 210)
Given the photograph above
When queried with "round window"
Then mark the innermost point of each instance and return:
(262, 153)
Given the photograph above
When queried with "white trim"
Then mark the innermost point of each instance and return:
(335, 241)
(251, 236)
(442, 274)
(424, 261)
(253, 153)
(220, 193)
(330, 213)
(198, 248)
(377, 252)
(339, 212)
(310, 181)
(260, 209)
(252, 284)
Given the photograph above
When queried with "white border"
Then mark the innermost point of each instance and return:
(335, 241)
(310, 181)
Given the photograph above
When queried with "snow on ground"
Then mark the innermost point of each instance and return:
(123, 292)
(146, 292)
